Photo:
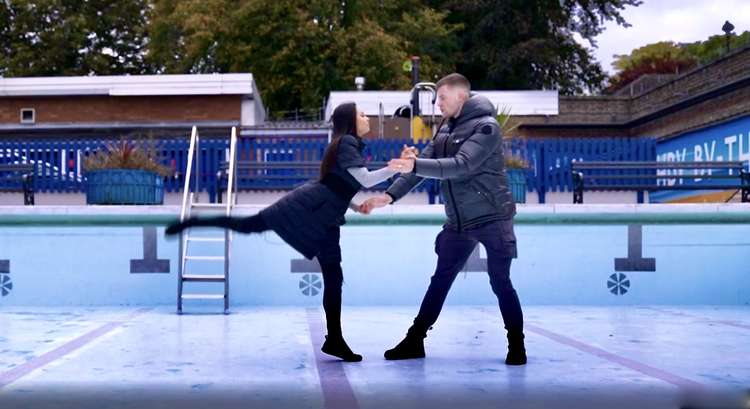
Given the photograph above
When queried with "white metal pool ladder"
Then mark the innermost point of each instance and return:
(191, 203)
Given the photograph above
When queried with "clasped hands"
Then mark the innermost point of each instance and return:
(403, 164)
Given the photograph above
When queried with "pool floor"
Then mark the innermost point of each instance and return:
(579, 357)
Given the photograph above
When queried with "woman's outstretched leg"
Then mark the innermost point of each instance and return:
(252, 224)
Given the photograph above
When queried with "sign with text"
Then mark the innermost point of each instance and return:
(721, 143)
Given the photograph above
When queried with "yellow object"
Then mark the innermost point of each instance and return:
(716, 197)
(419, 130)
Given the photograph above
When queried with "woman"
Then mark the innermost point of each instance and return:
(309, 217)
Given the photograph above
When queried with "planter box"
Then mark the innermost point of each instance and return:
(124, 187)
(517, 184)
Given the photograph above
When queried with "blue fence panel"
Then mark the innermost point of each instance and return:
(560, 153)
(60, 163)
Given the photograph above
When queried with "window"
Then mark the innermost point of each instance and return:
(28, 116)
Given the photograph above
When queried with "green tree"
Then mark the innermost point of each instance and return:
(531, 44)
(667, 57)
(664, 57)
(716, 46)
(298, 50)
(5, 35)
(67, 37)
(664, 50)
(426, 34)
(420, 30)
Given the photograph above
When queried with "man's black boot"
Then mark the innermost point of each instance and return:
(516, 349)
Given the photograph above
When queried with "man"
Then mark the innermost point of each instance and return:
(466, 154)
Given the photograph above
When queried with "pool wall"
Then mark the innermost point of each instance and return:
(577, 255)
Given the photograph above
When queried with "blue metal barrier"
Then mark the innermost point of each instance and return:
(60, 162)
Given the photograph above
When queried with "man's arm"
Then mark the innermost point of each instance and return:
(474, 151)
(407, 181)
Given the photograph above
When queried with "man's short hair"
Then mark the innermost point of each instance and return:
(454, 80)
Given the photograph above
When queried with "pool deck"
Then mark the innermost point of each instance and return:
(579, 357)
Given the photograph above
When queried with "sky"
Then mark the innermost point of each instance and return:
(669, 20)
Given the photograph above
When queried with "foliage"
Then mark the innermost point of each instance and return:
(127, 154)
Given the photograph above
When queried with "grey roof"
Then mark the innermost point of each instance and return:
(519, 102)
(131, 85)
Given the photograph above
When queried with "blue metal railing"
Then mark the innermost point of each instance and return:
(60, 162)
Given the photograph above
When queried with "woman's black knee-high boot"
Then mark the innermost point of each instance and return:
(334, 344)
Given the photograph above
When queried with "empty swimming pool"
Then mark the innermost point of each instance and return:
(625, 305)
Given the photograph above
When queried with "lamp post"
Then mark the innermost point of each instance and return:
(727, 29)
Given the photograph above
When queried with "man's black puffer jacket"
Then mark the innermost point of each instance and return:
(467, 155)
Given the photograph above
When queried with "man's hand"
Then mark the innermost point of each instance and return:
(401, 165)
(375, 202)
(364, 208)
(409, 152)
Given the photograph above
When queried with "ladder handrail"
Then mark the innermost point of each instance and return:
(190, 199)
(232, 170)
(230, 202)
(188, 172)
(186, 194)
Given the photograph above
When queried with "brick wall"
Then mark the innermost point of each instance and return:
(698, 81)
(722, 108)
(586, 110)
(572, 132)
(601, 114)
(89, 109)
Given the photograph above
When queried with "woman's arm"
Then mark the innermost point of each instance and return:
(367, 178)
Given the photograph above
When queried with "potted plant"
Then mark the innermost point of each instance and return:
(125, 173)
(515, 166)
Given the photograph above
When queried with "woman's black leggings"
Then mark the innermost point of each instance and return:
(333, 279)
(252, 224)
(329, 259)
